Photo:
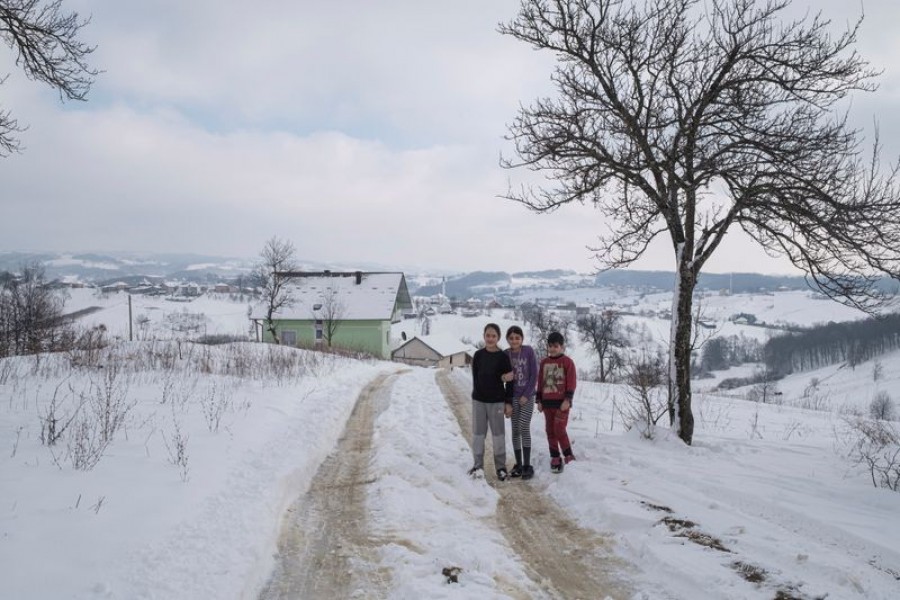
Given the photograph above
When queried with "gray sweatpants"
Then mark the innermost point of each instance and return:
(484, 415)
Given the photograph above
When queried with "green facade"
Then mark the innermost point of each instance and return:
(366, 336)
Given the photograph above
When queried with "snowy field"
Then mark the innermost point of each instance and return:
(181, 494)
(158, 317)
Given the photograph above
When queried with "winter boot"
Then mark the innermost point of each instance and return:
(527, 469)
(556, 465)
(517, 469)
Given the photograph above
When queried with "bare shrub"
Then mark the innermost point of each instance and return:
(875, 446)
(716, 415)
(647, 403)
(93, 418)
(882, 406)
(794, 427)
(54, 421)
(214, 404)
(86, 444)
(206, 361)
(109, 402)
(765, 390)
(162, 355)
(176, 390)
(177, 448)
(186, 323)
(86, 349)
(812, 387)
(755, 429)
(815, 401)
(238, 360)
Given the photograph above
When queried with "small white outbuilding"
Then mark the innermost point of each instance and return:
(434, 351)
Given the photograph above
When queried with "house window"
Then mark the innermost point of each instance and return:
(289, 338)
(319, 330)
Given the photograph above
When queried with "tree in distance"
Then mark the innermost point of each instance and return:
(277, 256)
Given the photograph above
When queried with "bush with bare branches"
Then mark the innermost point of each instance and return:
(875, 446)
(647, 402)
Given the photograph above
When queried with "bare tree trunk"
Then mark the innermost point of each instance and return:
(270, 327)
(680, 412)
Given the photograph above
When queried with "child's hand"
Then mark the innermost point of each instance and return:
(540, 407)
(507, 411)
(523, 400)
(507, 377)
(565, 405)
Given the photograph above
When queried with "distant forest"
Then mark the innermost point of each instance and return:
(737, 283)
(852, 342)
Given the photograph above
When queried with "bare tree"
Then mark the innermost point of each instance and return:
(276, 258)
(31, 314)
(765, 389)
(603, 332)
(331, 311)
(882, 406)
(47, 48)
(542, 322)
(686, 118)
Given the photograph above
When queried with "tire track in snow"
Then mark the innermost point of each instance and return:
(324, 550)
(569, 561)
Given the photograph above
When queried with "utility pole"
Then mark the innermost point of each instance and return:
(130, 331)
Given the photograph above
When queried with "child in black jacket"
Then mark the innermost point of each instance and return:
(491, 402)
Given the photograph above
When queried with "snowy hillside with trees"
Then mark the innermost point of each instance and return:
(167, 468)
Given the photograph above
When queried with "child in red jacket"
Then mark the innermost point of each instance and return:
(555, 390)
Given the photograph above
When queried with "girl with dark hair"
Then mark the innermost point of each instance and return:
(525, 368)
(491, 402)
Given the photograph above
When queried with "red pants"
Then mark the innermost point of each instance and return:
(557, 437)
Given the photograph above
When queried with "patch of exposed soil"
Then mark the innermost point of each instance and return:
(325, 550)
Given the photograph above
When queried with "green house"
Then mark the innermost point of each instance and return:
(347, 310)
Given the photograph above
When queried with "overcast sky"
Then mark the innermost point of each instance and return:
(364, 132)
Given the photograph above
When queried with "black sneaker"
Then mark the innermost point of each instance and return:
(527, 472)
(502, 474)
(516, 471)
(476, 473)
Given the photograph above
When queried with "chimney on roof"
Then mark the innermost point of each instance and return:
(358, 277)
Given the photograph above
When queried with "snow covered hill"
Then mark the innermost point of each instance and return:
(173, 463)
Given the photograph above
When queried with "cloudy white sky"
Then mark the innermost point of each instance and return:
(361, 131)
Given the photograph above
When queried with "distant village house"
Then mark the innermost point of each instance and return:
(361, 306)
(434, 351)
